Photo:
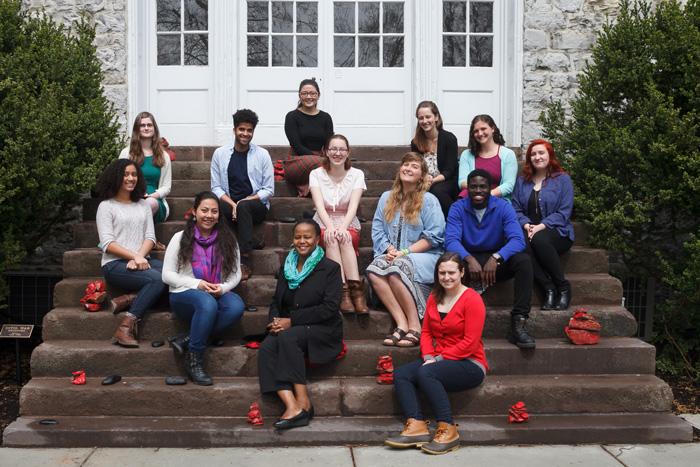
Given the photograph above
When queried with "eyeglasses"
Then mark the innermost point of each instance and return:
(338, 150)
(308, 94)
(146, 125)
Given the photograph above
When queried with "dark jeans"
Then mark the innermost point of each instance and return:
(248, 213)
(446, 193)
(281, 359)
(206, 314)
(434, 380)
(147, 284)
(518, 266)
(544, 249)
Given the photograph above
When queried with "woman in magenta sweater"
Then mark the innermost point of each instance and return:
(452, 359)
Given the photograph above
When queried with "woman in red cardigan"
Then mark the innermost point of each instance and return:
(453, 359)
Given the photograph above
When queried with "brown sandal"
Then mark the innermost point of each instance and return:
(410, 339)
(393, 339)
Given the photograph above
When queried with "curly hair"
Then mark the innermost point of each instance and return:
(135, 149)
(419, 138)
(554, 167)
(414, 199)
(473, 145)
(226, 243)
(245, 116)
(438, 290)
(326, 162)
(112, 178)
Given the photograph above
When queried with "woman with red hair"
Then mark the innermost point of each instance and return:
(543, 199)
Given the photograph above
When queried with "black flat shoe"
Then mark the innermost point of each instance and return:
(301, 419)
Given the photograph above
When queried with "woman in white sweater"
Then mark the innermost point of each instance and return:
(202, 266)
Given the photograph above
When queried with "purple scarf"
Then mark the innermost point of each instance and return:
(206, 263)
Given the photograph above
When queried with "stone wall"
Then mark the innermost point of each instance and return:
(558, 35)
(110, 20)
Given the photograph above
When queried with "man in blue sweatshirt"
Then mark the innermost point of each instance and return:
(484, 231)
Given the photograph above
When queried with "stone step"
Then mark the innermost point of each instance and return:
(189, 188)
(373, 169)
(614, 355)
(588, 289)
(76, 323)
(86, 262)
(352, 396)
(204, 432)
(274, 233)
(365, 153)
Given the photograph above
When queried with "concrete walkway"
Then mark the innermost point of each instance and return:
(662, 455)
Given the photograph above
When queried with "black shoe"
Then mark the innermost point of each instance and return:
(311, 412)
(564, 300)
(180, 343)
(301, 419)
(549, 298)
(194, 365)
(519, 335)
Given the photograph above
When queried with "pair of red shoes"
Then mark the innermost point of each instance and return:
(583, 328)
(518, 413)
(254, 415)
(385, 367)
(95, 295)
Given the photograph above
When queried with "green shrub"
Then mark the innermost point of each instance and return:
(632, 144)
(57, 130)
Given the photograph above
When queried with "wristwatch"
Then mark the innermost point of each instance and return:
(498, 258)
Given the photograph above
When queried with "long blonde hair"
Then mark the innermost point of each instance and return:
(413, 200)
(135, 149)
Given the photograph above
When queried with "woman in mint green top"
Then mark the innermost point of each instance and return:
(145, 149)
(487, 151)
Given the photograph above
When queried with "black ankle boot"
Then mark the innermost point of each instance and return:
(180, 343)
(519, 335)
(549, 298)
(194, 365)
(564, 300)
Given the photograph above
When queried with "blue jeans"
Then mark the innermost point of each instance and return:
(206, 314)
(147, 284)
(435, 380)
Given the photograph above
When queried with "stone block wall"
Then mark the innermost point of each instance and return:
(110, 20)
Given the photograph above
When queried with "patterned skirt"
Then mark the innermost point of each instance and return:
(403, 267)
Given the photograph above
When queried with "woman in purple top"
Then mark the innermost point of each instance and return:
(543, 200)
(487, 151)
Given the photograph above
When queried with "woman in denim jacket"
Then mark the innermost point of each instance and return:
(543, 200)
(408, 232)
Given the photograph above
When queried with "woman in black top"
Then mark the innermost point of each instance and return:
(439, 149)
(304, 322)
(307, 129)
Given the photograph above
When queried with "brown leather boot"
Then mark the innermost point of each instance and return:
(414, 435)
(122, 302)
(446, 439)
(125, 333)
(345, 302)
(358, 296)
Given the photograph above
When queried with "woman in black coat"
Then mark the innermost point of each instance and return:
(439, 149)
(304, 322)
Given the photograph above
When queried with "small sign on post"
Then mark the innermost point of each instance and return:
(17, 332)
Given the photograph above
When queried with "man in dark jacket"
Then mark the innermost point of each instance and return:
(484, 231)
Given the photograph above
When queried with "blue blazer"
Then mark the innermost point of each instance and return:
(556, 202)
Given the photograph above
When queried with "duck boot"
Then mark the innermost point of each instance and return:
(358, 291)
(518, 332)
(414, 435)
(194, 365)
(446, 439)
(345, 301)
(125, 335)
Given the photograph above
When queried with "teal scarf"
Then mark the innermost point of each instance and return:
(294, 277)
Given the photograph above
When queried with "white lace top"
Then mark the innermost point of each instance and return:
(336, 196)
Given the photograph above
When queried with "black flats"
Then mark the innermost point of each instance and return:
(301, 419)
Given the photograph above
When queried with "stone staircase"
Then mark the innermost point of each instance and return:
(575, 394)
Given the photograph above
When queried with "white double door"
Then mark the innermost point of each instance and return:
(373, 60)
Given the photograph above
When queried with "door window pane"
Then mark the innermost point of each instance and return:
(175, 45)
(282, 20)
(393, 51)
(257, 17)
(393, 17)
(307, 17)
(454, 16)
(368, 17)
(344, 51)
(344, 17)
(467, 22)
(454, 50)
(481, 17)
(168, 49)
(257, 50)
(196, 15)
(307, 51)
(282, 51)
(480, 51)
(368, 53)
